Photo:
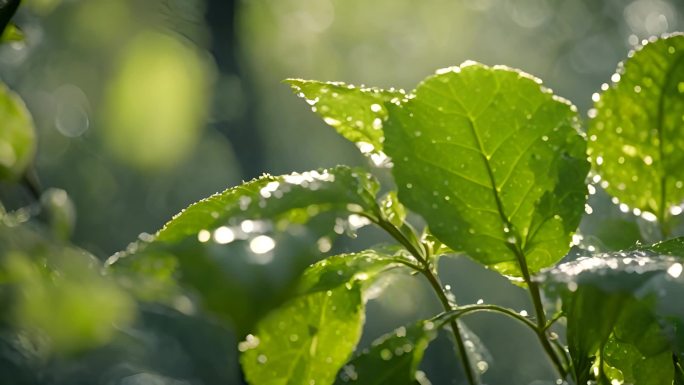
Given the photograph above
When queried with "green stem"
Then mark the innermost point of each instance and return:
(460, 311)
(517, 250)
(564, 356)
(463, 353)
(421, 254)
(30, 181)
(535, 295)
(553, 320)
(601, 374)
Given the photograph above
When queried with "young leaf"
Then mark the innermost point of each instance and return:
(310, 337)
(357, 113)
(243, 250)
(391, 359)
(614, 326)
(493, 162)
(17, 136)
(635, 131)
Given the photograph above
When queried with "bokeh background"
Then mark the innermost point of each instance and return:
(143, 107)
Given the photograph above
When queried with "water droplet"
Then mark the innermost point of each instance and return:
(261, 244)
(261, 358)
(675, 270)
(599, 160)
(386, 354)
(250, 342)
(365, 147)
(268, 189)
(648, 160)
(577, 239)
(224, 235)
(331, 121)
(648, 216)
(203, 236)
(324, 244)
(376, 107)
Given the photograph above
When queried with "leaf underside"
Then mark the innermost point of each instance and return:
(243, 250)
(391, 359)
(616, 322)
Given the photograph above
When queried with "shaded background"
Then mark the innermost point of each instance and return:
(143, 107)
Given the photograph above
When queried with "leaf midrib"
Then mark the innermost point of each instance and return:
(515, 247)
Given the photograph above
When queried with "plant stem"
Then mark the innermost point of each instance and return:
(553, 320)
(421, 254)
(463, 353)
(460, 311)
(564, 356)
(535, 295)
(30, 181)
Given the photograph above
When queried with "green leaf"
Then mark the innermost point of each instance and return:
(673, 247)
(310, 337)
(357, 113)
(291, 198)
(493, 162)
(615, 323)
(391, 359)
(243, 250)
(11, 34)
(17, 136)
(635, 131)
